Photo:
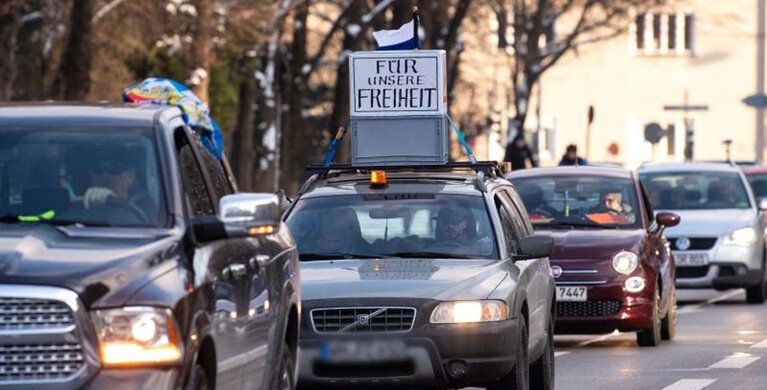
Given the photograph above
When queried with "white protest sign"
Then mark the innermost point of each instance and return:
(395, 83)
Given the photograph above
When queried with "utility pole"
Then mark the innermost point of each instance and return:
(759, 100)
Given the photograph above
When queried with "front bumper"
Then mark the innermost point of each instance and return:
(728, 267)
(486, 350)
(138, 378)
(609, 307)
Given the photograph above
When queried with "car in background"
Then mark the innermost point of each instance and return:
(720, 242)
(128, 260)
(611, 262)
(421, 277)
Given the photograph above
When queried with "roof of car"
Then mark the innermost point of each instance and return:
(79, 113)
(689, 167)
(571, 170)
(754, 169)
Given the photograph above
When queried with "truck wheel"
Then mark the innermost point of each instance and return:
(285, 380)
(542, 371)
(519, 377)
(198, 380)
(650, 337)
(668, 325)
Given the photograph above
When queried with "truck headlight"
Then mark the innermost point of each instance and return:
(134, 336)
(741, 237)
(460, 312)
(625, 262)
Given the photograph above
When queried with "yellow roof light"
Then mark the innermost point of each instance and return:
(377, 178)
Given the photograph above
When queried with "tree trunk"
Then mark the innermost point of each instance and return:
(243, 156)
(202, 49)
(72, 80)
(10, 22)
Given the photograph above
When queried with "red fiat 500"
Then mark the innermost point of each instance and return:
(612, 265)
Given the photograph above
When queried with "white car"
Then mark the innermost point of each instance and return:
(719, 242)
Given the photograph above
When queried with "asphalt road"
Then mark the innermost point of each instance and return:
(721, 344)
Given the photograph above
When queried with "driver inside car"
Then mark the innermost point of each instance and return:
(611, 209)
(455, 228)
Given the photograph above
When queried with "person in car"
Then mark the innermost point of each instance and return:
(340, 233)
(532, 195)
(611, 209)
(114, 175)
(721, 194)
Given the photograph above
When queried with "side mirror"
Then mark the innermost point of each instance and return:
(763, 204)
(240, 215)
(535, 246)
(667, 219)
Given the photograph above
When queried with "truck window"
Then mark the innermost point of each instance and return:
(192, 178)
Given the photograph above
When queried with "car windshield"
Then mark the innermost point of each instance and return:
(758, 183)
(695, 190)
(580, 201)
(393, 225)
(86, 175)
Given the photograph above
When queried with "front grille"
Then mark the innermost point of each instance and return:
(39, 362)
(33, 314)
(363, 319)
(691, 272)
(696, 243)
(588, 308)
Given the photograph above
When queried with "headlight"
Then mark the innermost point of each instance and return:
(625, 262)
(742, 237)
(634, 284)
(132, 336)
(468, 311)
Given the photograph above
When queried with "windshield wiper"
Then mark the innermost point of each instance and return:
(430, 255)
(337, 256)
(575, 224)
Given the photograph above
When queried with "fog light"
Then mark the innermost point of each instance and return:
(634, 284)
(457, 368)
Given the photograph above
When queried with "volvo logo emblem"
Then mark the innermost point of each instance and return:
(556, 271)
(363, 319)
(683, 243)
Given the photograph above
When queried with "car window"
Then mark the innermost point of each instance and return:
(383, 225)
(696, 190)
(520, 210)
(582, 200)
(219, 181)
(89, 174)
(510, 233)
(193, 180)
(758, 184)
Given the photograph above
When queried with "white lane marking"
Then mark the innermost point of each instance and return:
(737, 360)
(690, 384)
(597, 339)
(695, 308)
(561, 353)
(760, 345)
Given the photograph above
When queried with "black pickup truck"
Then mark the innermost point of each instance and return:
(129, 260)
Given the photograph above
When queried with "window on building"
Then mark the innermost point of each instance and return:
(663, 34)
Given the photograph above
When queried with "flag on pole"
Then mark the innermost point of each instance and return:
(403, 38)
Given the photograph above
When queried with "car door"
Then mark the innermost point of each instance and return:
(222, 264)
(538, 288)
(658, 248)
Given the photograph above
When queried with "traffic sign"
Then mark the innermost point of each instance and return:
(757, 101)
(653, 133)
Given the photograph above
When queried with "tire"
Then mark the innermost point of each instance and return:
(755, 294)
(651, 337)
(542, 371)
(519, 377)
(668, 324)
(198, 380)
(285, 380)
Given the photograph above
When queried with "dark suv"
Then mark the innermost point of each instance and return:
(127, 260)
(424, 277)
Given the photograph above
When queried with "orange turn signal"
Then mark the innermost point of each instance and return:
(378, 178)
(260, 230)
(132, 354)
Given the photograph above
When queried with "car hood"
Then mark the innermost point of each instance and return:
(593, 244)
(104, 266)
(710, 222)
(401, 278)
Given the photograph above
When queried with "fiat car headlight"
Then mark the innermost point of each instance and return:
(134, 336)
(741, 237)
(460, 312)
(625, 262)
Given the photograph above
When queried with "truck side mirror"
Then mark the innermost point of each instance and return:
(240, 215)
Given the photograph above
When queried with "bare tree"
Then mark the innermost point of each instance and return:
(201, 57)
(72, 80)
(537, 45)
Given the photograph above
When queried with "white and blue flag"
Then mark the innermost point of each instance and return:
(404, 38)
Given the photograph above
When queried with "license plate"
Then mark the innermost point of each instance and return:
(572, 294)
(362, 351)
(691, 259)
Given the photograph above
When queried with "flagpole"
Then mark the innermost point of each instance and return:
(416, 39)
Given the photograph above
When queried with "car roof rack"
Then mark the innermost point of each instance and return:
(483, 169)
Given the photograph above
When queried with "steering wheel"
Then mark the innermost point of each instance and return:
(129, 207)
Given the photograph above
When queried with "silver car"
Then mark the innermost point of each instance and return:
(720, 242)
